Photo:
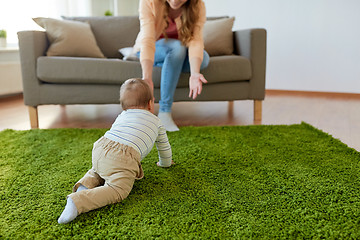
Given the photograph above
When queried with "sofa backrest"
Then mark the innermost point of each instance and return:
(112, 33)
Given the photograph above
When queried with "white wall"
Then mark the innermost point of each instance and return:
(313, 45)
(16, 15)
(127, 7)
(117, 7)
(10, 72)
(99, 7)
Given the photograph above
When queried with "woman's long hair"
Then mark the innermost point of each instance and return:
(188, 18)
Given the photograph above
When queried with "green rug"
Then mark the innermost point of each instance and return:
(246, 182)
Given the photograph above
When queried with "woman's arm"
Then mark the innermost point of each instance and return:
(147, 40)
(196, 51)
(147, 68)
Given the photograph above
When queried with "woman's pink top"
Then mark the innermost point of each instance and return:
(171, 31)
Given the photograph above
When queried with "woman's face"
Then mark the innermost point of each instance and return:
(176, 4)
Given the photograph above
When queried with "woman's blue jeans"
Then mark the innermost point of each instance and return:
(172, 56)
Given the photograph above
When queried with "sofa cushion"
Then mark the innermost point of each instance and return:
(86, 70)
(112, 33)
(69, 70)
(230, 68)
(69, 38)
(218, 36)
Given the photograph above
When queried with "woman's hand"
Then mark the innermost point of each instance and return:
(195, 82)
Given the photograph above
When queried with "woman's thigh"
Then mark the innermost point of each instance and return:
(204, 64)
(166, 48)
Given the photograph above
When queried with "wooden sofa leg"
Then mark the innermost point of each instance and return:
(34, 118)
(231, 108)
(257, 111)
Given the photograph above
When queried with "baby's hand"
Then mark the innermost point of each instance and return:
(158, 164)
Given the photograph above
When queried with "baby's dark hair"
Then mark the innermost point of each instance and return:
(135, 93)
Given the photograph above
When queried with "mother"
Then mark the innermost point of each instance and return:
(171, 37)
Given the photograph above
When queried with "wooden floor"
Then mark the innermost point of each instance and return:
(336, 114)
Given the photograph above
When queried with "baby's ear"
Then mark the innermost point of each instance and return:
(150, 105)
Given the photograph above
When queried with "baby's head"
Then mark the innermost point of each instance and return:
(136, 93)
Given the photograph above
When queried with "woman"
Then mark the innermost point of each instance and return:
(171, 37)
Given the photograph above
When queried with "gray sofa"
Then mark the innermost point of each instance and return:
(77, 80)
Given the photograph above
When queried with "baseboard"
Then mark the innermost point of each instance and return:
(11, 96)
(338, 95)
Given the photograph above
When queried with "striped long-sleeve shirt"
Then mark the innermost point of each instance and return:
(140, 129)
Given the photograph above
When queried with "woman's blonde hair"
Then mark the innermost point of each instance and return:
(189, 18)
(135, 93)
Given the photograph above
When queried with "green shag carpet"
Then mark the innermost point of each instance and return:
(242, 182)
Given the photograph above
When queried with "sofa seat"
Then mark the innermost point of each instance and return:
(75, 70)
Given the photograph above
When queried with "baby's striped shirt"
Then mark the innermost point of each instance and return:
(140, 129)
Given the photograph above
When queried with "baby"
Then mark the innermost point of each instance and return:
(117, 155)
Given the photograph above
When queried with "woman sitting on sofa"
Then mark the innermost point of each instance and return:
(171, 37)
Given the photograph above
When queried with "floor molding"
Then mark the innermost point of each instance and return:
(11, 96)
(338, 95)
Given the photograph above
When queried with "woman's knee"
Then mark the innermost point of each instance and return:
(176, 48)
(204, 63)
(206, 60)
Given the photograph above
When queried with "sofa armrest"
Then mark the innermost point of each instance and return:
(251, 43)
(32, 44)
